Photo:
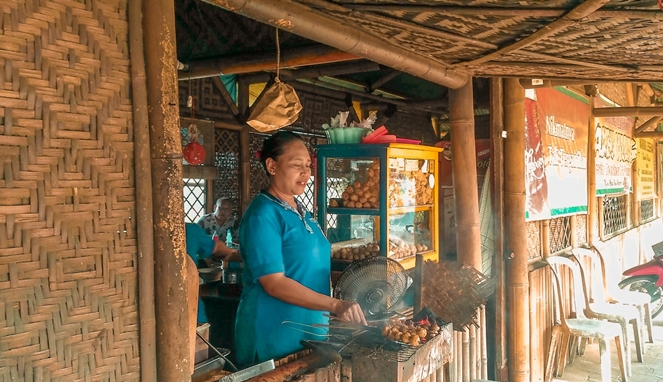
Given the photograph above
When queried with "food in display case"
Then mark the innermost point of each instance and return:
(399, 248)
(364, 194)
(379, 200)
(411, 182)
(356, 252)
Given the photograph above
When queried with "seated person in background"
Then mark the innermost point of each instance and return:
(221, 220)
(200, 246)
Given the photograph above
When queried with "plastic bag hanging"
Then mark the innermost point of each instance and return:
(278, 106)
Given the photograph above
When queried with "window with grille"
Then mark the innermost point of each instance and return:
(195, 198)
(646, 210)
(560, 234)
(614, 214)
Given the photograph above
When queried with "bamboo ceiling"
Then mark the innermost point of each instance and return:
(594, 39)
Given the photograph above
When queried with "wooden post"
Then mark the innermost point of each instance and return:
(173, 359)
(497, 173)
(516, 233)
(143, 176)
(592, 212)
(464, 168)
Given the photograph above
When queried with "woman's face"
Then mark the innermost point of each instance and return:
(292, 170)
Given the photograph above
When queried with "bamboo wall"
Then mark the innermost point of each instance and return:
(68, 293)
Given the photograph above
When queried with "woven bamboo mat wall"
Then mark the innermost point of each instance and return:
(68, 280)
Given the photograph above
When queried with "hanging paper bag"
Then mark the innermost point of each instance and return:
(277, 107)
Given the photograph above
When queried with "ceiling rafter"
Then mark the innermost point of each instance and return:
(577, 13)
(500, 11)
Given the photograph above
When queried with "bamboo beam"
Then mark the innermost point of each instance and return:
(533, 12)
(497, 182)
(528, 83)
(384, 79)
(633, 111)
(649, 123)
(143, 181)
(561, 63)
(250, 63)
(304, 21)
(227, 98)
(330, 70)
(592, 212)
(464, 168)
(173, 359)
(577, 13)
(514, 207)
(656, 135)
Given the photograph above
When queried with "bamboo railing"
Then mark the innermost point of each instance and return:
(470, 358)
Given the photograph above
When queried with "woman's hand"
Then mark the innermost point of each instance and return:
(349, 311)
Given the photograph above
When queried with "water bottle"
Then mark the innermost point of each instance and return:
(229, 239)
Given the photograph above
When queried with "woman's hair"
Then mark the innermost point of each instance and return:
(273, 146)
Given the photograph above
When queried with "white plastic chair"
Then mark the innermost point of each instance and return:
(580, 326)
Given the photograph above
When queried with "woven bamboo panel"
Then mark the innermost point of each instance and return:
(533, 239)
(227, 151)
(455, 291)
(68, 292)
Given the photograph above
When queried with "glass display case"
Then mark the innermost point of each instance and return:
(375, 189)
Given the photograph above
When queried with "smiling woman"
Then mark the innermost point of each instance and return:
(286, 260)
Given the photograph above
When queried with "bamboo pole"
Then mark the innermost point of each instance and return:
(573, 225)
(458, 346)
(305, 21)
(464, 168)
(649, 123)
(544, 234)
(484, 347)
(634, 111)
(497, 174)
(466, 355)
(505, 11)
(592, 213)
(173, 360)
(473, 352)
(583, 10)
(656, 135)
(293, 58)
(143, 176)
(516, 232)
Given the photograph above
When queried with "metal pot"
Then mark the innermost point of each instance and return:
(210, 275)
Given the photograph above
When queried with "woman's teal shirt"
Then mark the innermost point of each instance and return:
(276, 238)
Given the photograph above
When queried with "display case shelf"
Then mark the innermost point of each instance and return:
(352, 211)
(395, 186)
(402, 210)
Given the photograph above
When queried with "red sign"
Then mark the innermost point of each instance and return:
(483, 160)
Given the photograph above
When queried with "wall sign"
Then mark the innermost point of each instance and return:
(645, 169)
(615, 151)
(555, 154)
